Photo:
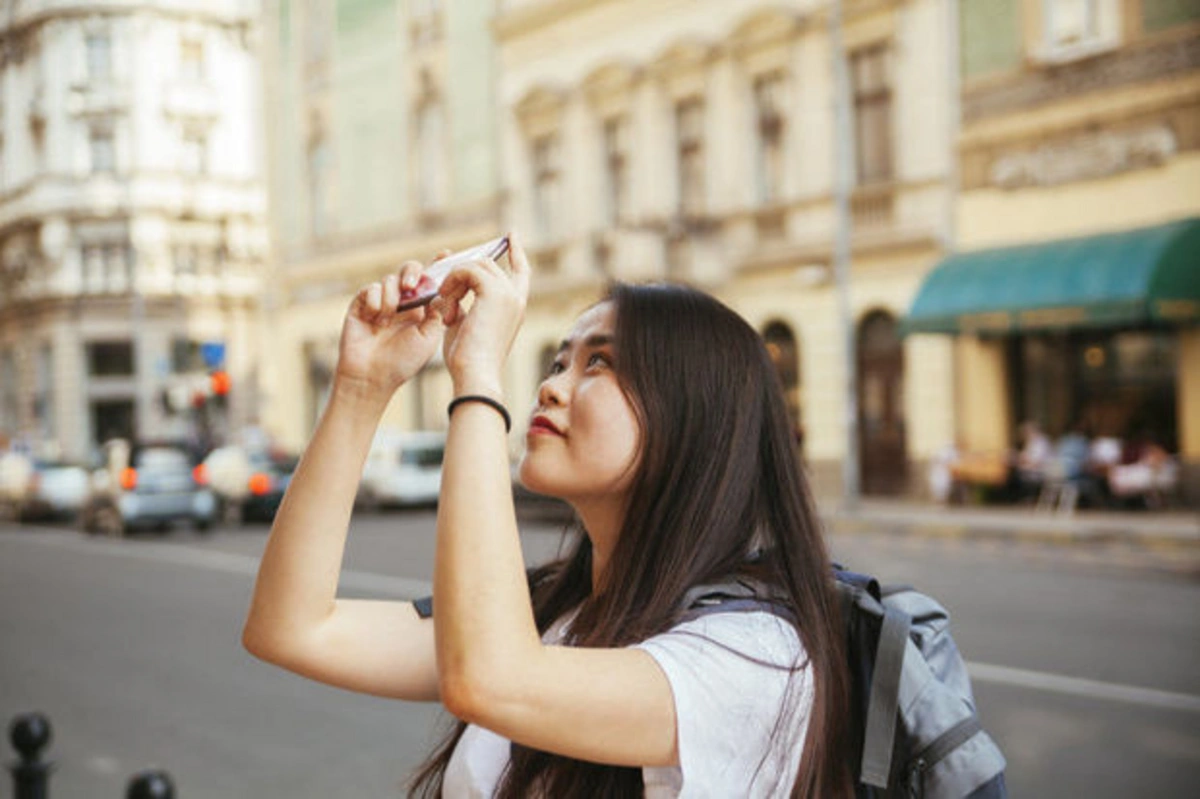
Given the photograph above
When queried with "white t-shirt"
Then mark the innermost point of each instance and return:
(740, 723)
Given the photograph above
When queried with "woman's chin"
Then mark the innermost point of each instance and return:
(530, 480)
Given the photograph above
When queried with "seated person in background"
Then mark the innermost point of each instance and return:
(1146, 471)
(1073, 455)
(1032, 459)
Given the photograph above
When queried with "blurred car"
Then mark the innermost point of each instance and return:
(40, 488)
(150, 485)
(56, 490)
(249, 484)
(403, 470)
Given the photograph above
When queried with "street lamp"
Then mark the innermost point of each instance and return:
(843, 178)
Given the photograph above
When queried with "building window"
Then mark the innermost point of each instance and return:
(616, 169)
(768, 109)
(1075, 28)
(785, 356)
(186, 356)
(193, 152)
(103, 149)
(8, 393)
(318, 23)
(191, 60)
(110, 358)
(43, 402)
(689, 138)
(871, 85)
(545, 185)
(431, 161)
(99, 56)
(426, 21)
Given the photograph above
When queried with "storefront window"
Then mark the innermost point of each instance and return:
(1120, 384)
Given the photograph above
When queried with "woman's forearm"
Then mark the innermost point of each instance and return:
(298, 577)
(483, 621)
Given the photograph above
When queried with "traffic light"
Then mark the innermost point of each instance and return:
(219, 382)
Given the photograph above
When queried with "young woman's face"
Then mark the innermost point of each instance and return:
(583, 439)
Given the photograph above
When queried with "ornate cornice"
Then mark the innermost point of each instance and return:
(1151, 61)
(535, 14)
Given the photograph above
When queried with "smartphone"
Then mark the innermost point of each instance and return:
(431, 279)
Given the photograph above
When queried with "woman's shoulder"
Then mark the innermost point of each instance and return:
(754, 635)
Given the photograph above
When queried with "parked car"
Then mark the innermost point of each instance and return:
(403, 470)
(150, 485)
(36, 488)
(249, 484)
(57, 490)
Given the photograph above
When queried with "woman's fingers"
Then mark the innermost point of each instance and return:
(375, 298)
(518, 261)
(391, 291)
(410, 274)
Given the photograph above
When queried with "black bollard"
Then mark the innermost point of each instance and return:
(29, 734)
(151, 785)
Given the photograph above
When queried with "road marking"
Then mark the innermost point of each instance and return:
(408, 588)
(1078, 686)
(226, 562)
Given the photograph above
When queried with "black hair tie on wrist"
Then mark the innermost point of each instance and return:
(500, 409)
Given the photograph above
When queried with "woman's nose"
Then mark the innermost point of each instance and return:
(550, 392)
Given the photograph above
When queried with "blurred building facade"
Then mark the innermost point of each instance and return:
(132, 216)
(654, 139)
(382, 148)
(1079, 159)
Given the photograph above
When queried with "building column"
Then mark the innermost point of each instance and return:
(985, 417)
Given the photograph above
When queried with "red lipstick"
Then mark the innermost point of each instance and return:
(542, 425)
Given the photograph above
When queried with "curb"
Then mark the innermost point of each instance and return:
(1022, 531)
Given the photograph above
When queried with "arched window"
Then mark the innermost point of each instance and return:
(785, 354)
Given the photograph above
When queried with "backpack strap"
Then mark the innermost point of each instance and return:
(884, 704)
(741, 596)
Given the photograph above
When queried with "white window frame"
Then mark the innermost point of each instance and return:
(1065, 29)
(97, 133)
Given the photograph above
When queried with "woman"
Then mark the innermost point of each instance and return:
(662, 423)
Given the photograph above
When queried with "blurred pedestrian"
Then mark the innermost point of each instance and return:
(662, 423)
(1032, 460)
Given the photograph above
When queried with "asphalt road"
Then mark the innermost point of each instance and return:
(1084, 667)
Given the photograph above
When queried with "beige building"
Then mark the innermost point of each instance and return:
(132, 219)
(380, 118)
(658, 139)
(1075, 295)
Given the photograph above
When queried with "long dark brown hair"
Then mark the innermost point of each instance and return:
(718, 480)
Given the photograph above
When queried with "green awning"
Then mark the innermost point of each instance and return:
(1133, 278)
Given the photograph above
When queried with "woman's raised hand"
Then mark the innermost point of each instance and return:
(381, 347)
(480, 332)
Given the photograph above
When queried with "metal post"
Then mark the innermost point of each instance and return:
(30, 733)
(843, 228)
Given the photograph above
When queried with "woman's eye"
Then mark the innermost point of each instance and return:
(555, 368)
(598, 359)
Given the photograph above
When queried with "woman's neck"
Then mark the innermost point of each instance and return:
(602, 522)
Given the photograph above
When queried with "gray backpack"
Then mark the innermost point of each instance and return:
(914, 716)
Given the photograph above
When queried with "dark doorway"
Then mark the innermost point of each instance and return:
(881, 434)
(785, 354)
(112, 419)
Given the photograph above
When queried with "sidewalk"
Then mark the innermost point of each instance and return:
(1170, 528)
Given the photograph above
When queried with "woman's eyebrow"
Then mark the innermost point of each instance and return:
(591, 342)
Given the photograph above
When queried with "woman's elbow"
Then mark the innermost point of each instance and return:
(470, 698)
(265, 645)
